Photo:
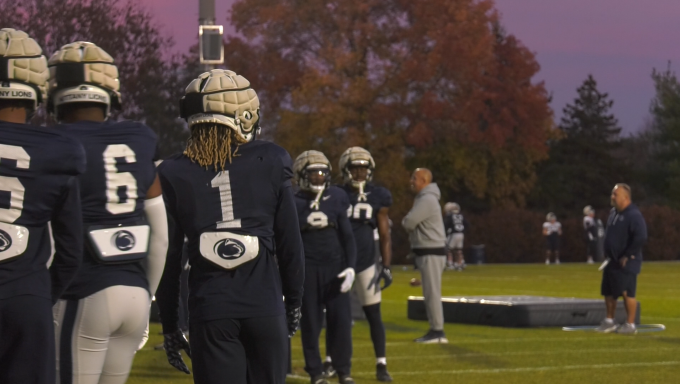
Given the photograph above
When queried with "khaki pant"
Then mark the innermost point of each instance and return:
(431, 268)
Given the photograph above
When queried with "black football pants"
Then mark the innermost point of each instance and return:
(322, 289)
(27, 353)
(240, 351)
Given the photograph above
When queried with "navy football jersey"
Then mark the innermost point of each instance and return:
(120, 170)
(246, 211)
(38, 184)
(364, 218)
(455, 223)
(326, 232)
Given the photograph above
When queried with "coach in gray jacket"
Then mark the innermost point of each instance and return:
(425, 226)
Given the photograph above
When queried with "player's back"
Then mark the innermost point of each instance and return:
(239, 202)
(120, 170)
(37, 166)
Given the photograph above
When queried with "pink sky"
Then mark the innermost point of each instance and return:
(618, 41)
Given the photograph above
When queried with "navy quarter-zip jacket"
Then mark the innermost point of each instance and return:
(626, 235)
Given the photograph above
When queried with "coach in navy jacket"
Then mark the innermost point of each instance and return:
(625, 236)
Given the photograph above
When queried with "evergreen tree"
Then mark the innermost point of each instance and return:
(583, 166)
(664, 170)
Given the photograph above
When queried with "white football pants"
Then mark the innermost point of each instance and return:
(97, 336)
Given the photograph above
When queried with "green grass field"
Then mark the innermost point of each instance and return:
(479, 354)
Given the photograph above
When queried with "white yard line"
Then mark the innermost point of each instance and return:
(454, 341)
(580, 351)
(526, 369)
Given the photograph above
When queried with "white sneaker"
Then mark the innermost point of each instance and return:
(547, 261)
(607, 326)
(627, 329)
(590, 260)
(557, 261)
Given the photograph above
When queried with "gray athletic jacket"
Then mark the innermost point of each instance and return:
(424, 223)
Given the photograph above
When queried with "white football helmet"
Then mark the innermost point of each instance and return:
(450, 208)
(82, 72)
(588, 210)
(550, 216)
(225, 98)
(23, 68)
(311, 161)
(356, 156)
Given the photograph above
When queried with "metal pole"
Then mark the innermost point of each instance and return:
(206, 16)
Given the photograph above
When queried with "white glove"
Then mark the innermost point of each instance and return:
(348, 274)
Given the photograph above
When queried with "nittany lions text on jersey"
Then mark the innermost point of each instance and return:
(326, 233)
(38, 185)
(363, 214)
(243, 238)
(120, 170)
(455, 223)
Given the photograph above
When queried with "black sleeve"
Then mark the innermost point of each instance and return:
(289, 252)
(167, 294)
(637, 233)
(347, 238)
(466, 224)
(67, 231)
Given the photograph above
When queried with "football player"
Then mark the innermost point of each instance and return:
(369, 209)
(38, 185)
(455, 225)
(552, 230)
(103, 315)
(231, 195)
(591, 233)
(330, 259)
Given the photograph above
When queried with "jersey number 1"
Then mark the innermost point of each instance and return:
(115, 181)
(222, 182)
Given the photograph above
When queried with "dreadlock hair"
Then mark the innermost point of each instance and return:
(211, 144)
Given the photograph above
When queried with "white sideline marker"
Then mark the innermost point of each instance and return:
(642, 328)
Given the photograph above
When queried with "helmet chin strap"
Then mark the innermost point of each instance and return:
(362, 194)
(315, 204)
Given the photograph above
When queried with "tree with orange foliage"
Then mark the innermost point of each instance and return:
(429, 83)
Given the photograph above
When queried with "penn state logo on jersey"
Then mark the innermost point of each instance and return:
(123, 240)
(5, 241)
(229, 249)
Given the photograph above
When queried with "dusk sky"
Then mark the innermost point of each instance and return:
(618, 41)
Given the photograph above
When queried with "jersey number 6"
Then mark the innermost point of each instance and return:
(117, 182)
(12, 184)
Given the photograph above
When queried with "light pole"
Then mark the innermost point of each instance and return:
(210, 43)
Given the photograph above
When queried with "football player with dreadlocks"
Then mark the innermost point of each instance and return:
(369, 209)
(231, 195)
(38, 185)
(330, 259)
(103, 315)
